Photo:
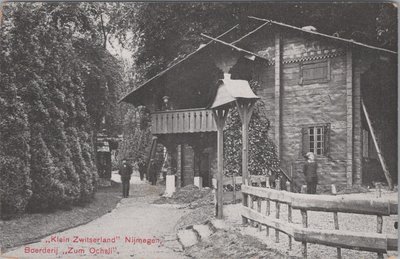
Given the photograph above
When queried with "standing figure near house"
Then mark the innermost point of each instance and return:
(142, 169)
(310, 172)
(153, 172)
(125, 171)
(166, 104)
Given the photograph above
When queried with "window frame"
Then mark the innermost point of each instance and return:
(326, 138)
(303, 81)
(317, 131)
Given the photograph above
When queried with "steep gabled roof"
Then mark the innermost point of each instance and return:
(232, 46)
(174, 65)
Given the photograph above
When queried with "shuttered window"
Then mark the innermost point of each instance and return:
(316, 139)
(315, 72)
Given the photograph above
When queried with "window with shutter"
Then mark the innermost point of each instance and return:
(314, 72)
(316, 139)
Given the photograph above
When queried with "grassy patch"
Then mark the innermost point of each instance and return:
(30, 228)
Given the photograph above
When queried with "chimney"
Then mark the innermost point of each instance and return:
(309, 28)
(227, 76)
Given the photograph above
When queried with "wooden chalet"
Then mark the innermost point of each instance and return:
(323, 94)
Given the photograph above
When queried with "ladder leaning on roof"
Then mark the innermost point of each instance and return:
(378, 150)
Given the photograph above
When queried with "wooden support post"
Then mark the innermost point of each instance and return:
(278, 184)
(379, 227)
(290, 221)
(220, 172)
(179, 167)
(252, 222)
(220, 118)
(234, 189)
(245, 109)
(305, 225)
(277, 92)
(288, 186)
(267, 185)
(259, 210)
(245, 204)
(277, 212)
(378, 150)
(336, 222)
(268, 212)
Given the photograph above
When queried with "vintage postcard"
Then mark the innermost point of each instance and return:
(198, 130)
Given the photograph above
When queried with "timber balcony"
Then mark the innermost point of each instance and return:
(182, 121)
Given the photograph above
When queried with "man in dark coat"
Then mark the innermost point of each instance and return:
(125, 171)
(142, 169)
(310, 172)
(153, 172)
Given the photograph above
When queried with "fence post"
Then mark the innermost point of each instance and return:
(336, 222)
(234, 189)
(379, 226)
(250, 201)
(305, 225)
(278, 184)
(277, 209)
(259, 210)
(290, 221)
(244, 203)
(267, 185)
(288, 186)
(268, 212)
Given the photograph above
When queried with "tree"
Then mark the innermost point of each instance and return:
(53, 61)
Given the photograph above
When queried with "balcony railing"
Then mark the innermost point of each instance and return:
(182, 121)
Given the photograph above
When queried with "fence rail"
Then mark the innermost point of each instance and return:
(366, 241)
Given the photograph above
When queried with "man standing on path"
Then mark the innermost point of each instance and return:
(153, 172)
(310, 172)
(125, 171)
(142, 169)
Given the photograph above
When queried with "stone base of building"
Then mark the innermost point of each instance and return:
(169, 185)
(198, 181)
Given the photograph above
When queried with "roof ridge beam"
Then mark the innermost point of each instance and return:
(233, 46)
(251, 32)
(323, 35)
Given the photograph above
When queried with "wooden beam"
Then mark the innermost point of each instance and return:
(233, 46)
(326, 203)
(277, 99)
(349, 117)
(378, 150)
(274, 223)
(367, 241)
(351, 41)
(245, 109)
(220, 116)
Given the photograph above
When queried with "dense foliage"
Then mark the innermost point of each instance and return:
(52, 66)
(159, 33)
(262, 151)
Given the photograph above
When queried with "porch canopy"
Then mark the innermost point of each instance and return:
(231, 91)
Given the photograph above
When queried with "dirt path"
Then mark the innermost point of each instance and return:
(135, 229)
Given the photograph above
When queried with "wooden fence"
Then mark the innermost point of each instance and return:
(365, 241)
